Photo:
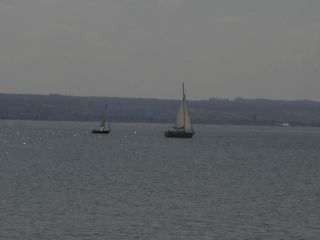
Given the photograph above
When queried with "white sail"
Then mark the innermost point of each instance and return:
(183, 120)
(102, 129)
(180, 118)
(187, 121)
(103, 124)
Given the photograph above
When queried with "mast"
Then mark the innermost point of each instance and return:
(184, 109)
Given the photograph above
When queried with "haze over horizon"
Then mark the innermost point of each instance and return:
(147, 48)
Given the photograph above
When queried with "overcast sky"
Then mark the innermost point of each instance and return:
(147, 48)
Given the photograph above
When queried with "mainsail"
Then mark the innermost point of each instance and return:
(103, 124)
(102, 128)
(183, 127)
(183, 119)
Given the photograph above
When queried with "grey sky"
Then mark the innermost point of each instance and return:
(146, 48)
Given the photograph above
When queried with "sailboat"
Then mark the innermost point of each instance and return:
(183, 127)
(103, 129)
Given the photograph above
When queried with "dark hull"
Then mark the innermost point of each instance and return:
(101, 131)
(178, 134)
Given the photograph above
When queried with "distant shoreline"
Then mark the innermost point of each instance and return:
(55, 107)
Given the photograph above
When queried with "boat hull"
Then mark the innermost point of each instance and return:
(100, 131)
(178, 134)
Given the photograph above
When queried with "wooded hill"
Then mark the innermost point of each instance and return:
(212, 111)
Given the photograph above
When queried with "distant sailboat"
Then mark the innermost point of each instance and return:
(103, 129)
(183, 127)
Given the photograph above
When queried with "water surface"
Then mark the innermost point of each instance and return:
(58, 181)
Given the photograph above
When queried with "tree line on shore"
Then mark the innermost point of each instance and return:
(56, 107)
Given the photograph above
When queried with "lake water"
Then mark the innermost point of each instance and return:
(58, 181)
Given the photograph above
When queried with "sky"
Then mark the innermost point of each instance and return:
(147, 48)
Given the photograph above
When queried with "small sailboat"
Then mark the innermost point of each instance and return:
(103, 129)
(183, 127)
